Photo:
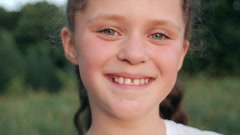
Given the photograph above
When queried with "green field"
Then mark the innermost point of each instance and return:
(213, 104)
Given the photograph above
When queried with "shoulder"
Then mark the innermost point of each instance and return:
(173, 128)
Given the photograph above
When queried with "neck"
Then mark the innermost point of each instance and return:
(150, 124)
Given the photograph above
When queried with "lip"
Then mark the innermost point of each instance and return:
(127, 75)
(112, 76)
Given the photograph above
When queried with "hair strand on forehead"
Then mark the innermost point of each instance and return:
(72, 7)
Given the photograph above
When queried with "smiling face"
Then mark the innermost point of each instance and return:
(128, 52)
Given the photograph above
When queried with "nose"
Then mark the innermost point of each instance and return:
(133, 51)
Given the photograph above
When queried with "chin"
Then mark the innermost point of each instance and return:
(129, 112)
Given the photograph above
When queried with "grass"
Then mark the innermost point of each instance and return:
(38, 114)
(212, 104)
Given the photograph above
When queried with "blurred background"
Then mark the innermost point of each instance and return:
(38, 88)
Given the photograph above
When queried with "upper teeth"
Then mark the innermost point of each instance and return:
(128, 81)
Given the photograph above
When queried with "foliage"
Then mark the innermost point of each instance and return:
(8, 19)
(217, 29)
(41, 72)
(32, 23)
(12, 62)
(16, 86)
(26, 41)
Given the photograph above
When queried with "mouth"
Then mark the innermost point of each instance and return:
(134, 81)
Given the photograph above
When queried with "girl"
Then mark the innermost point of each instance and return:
(128, 53)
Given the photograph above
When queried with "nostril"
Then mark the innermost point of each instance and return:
(133, 52)
(120, 56)
(145, 58)
(132, 58)
(123, 58)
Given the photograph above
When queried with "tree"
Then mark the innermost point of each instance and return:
(218, 30)
(12, 62)
(32, 24)
(41, 72)
(8, 19)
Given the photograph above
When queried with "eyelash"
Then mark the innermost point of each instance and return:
(107, 31)
(161, 35)
(113, 33)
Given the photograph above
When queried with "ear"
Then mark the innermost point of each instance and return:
(68, 45)
(186, 45)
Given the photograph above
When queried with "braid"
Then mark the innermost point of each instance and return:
(84, 107)
(171, 107)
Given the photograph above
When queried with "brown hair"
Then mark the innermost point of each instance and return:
(170, 108)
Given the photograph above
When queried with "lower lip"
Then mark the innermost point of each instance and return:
(127, 86)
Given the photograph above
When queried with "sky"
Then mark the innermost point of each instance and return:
(14, 5)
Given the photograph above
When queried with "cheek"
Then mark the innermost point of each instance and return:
(91, 57)
(93, 54)
(167, 57)
(89, 51)
(167, 60)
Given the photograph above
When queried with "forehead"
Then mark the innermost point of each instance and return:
(166, 10)
(135, 5)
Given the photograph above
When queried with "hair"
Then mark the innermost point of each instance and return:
(170, 108)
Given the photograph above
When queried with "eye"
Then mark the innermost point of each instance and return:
(108, 31)
(158, 36)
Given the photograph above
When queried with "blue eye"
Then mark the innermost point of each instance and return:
(158, 36)
(110, 32)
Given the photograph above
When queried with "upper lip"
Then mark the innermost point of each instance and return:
(130, 76)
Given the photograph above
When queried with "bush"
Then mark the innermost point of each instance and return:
(40, 71)
(12, 62)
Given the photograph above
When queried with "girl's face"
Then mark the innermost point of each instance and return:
(128, 52)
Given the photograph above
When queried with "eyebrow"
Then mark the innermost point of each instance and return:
(106, 17)
(165, 22)
(116, 17)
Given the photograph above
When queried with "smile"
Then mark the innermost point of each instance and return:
(130, 81)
